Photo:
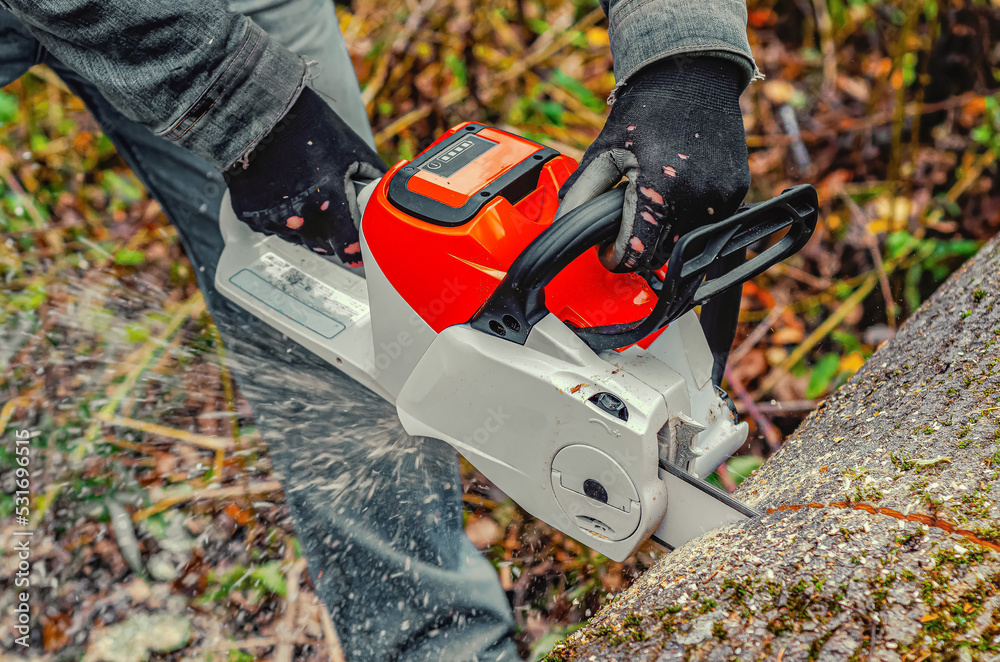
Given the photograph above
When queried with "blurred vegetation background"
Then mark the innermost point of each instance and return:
(154, 506)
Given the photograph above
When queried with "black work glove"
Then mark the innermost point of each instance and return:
(297, 182)
(676, 133)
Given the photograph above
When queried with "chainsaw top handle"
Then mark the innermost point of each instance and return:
(518, 303)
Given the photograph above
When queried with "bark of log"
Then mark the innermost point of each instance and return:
(882, 534)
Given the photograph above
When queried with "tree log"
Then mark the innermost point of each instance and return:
(881, 538)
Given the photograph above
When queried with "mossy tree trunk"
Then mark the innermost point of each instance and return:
(882, 538)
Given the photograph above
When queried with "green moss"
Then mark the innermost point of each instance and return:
(948, 557)
(631, 631)
(672, 609)
(741, 591)
(950, 619)
(604, 631)
(927, 591)
(880, 589)
(668, 618)
(975, 504)
(560, 653)
(798, 599)
(903, 463)
(718, 631)
(779, 625)
(990, 635)
(909, 537)
(817, 645)
(867, 493)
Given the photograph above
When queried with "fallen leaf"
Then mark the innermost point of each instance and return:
(482, 531)
(54, 631)
(133, 640)
(778, 91)
(242, 516)
(750, 367)
(852, 362)
(788, 336)
(932, 462)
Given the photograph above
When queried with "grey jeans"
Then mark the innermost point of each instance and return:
(378, 513)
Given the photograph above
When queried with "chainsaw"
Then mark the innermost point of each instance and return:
(590, 398)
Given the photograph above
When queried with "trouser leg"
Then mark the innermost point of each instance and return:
(378, 513)
(19, 50)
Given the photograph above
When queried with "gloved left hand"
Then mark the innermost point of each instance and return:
(297, 183)
(676, 132)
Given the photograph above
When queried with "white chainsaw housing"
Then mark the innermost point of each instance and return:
(525, 416)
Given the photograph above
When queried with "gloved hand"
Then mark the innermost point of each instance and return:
(297, 181)
(676, 132)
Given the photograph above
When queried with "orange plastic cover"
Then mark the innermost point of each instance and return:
(447, 273)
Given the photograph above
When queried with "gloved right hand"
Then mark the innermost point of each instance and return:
(297, 182)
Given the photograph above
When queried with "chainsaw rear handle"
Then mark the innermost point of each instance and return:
(518, 303)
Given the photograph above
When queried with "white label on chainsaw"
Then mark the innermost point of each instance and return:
(299, 296)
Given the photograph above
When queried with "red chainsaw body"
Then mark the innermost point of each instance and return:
(445, 227)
